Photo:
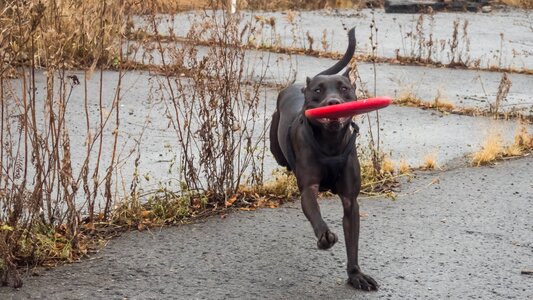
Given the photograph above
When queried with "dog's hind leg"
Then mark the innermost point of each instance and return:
(274, 142)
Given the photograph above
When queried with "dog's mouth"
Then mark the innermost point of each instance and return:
(333, 121)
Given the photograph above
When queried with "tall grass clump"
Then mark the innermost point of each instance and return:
(493, 148)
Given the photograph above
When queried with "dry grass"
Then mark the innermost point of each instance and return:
(522, 143)
(513, 150)
(523, 138)
(441, 103)
(491, 149)
(387, 166)
(283, 185)
(409, 98)
(377, 181)
(404, 168)
(430, 162)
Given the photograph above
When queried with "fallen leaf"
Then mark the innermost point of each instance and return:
(141, 227)
(272, 204)
(89, 226)
(231, 200)
(247, 208)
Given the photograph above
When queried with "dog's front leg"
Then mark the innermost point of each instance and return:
(350, 223)
(326, 238)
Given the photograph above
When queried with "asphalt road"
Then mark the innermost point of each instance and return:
(464, 233)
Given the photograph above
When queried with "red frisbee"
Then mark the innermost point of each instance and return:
(348, 109)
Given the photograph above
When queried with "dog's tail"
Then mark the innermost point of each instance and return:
(345, 60)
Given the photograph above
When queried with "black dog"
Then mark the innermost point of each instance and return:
(322, 155)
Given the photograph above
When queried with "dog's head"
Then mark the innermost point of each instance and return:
(323, 90)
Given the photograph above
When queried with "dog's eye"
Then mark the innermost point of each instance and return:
(318, 91)
(344, 89)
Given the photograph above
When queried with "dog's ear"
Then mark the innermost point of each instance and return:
(347, 72)
(307, 81)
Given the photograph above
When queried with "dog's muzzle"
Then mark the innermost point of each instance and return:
(333, 123)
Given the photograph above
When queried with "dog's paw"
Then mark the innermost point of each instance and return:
(363, 282)
(326, 240)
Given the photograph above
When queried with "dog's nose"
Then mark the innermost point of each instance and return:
(333, 102)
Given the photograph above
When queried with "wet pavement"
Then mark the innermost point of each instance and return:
(465, 233)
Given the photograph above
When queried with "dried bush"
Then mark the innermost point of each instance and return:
(501, 94)
(216, 110)
(425, 48)
(40, 190)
